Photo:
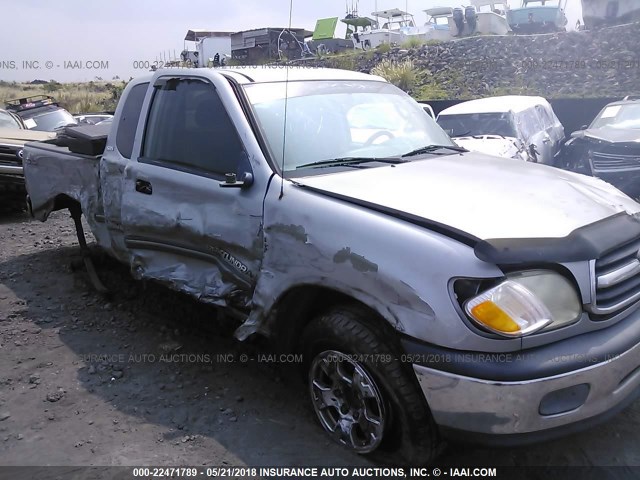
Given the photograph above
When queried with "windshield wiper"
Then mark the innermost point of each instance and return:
(433, 149)
(347, 161)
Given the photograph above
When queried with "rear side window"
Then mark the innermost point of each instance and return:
(128, 123)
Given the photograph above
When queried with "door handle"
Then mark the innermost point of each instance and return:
(143, 186)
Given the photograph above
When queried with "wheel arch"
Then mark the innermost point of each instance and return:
(297, 306)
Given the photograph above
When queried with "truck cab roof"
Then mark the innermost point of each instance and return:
(274, 73)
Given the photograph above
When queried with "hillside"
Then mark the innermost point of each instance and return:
(601, 63)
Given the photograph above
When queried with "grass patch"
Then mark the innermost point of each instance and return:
(75, 97)
(383, 48)
(403, 75)
(413, 42)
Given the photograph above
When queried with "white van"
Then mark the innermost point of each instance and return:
(511, 126)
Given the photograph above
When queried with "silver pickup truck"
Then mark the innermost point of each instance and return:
(434, 293)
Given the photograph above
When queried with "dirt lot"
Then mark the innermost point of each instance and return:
(146, 378)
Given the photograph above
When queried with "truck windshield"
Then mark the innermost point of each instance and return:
(468, 125)
(328, 120)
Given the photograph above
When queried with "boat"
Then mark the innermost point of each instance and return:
(538, 16)
(396, 26)
(598, 13)
(491, 17)
(438, 25)
(483, 17)
(356, 26)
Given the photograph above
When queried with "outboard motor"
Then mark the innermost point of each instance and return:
(458, 19)
(471, 15)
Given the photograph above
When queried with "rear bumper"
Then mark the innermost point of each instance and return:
(533, 395)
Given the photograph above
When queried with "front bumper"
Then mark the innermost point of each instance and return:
(534, 395)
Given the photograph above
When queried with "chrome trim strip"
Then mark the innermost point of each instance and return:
(620, 275)
(495, 407)
(10, 170)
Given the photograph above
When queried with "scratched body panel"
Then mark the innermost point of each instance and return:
(400, 270)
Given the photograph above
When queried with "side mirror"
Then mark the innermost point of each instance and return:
(231, 180)
(584, 127)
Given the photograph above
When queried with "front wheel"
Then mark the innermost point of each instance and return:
(365, 398)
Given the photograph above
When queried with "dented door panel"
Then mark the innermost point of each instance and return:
(190, 232)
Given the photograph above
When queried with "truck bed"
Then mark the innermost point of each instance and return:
(54, 173)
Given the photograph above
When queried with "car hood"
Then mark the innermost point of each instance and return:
(484, 196)
(20, 137)
(611, 135)
(491, 145)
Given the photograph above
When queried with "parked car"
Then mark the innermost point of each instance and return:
(609, 148)
(520, 127)
(11, 120)
(13, 136)
(92, 118)
(40, 112)
(432, 292)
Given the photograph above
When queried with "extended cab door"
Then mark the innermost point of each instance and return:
(180, 225)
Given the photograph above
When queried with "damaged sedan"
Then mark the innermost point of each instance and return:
(433, 292)
(609, 148)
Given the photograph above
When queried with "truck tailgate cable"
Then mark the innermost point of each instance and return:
(76, 214)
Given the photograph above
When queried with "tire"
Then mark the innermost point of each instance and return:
(346, 339)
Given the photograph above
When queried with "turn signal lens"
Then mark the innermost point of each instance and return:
(509, 309)
(491, 315)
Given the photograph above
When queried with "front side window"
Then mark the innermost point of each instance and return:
(189, 129)
(327, 120)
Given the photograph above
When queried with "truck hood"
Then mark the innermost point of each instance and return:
(20, 137)
(491, 145)
(484, 196)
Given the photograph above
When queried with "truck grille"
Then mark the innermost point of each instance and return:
(613, 162)
(617, 279)
(9, 155)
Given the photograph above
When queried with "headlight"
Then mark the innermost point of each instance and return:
(525, 303)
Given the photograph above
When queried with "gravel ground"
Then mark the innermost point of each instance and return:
(150, 377)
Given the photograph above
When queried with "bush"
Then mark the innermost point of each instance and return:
(413, 42)
(383, 48)
(52, 86)
(402, 74)
(343, 62)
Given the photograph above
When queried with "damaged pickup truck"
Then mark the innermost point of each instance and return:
(434, 293)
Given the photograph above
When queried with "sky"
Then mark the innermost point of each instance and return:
(79, 40)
